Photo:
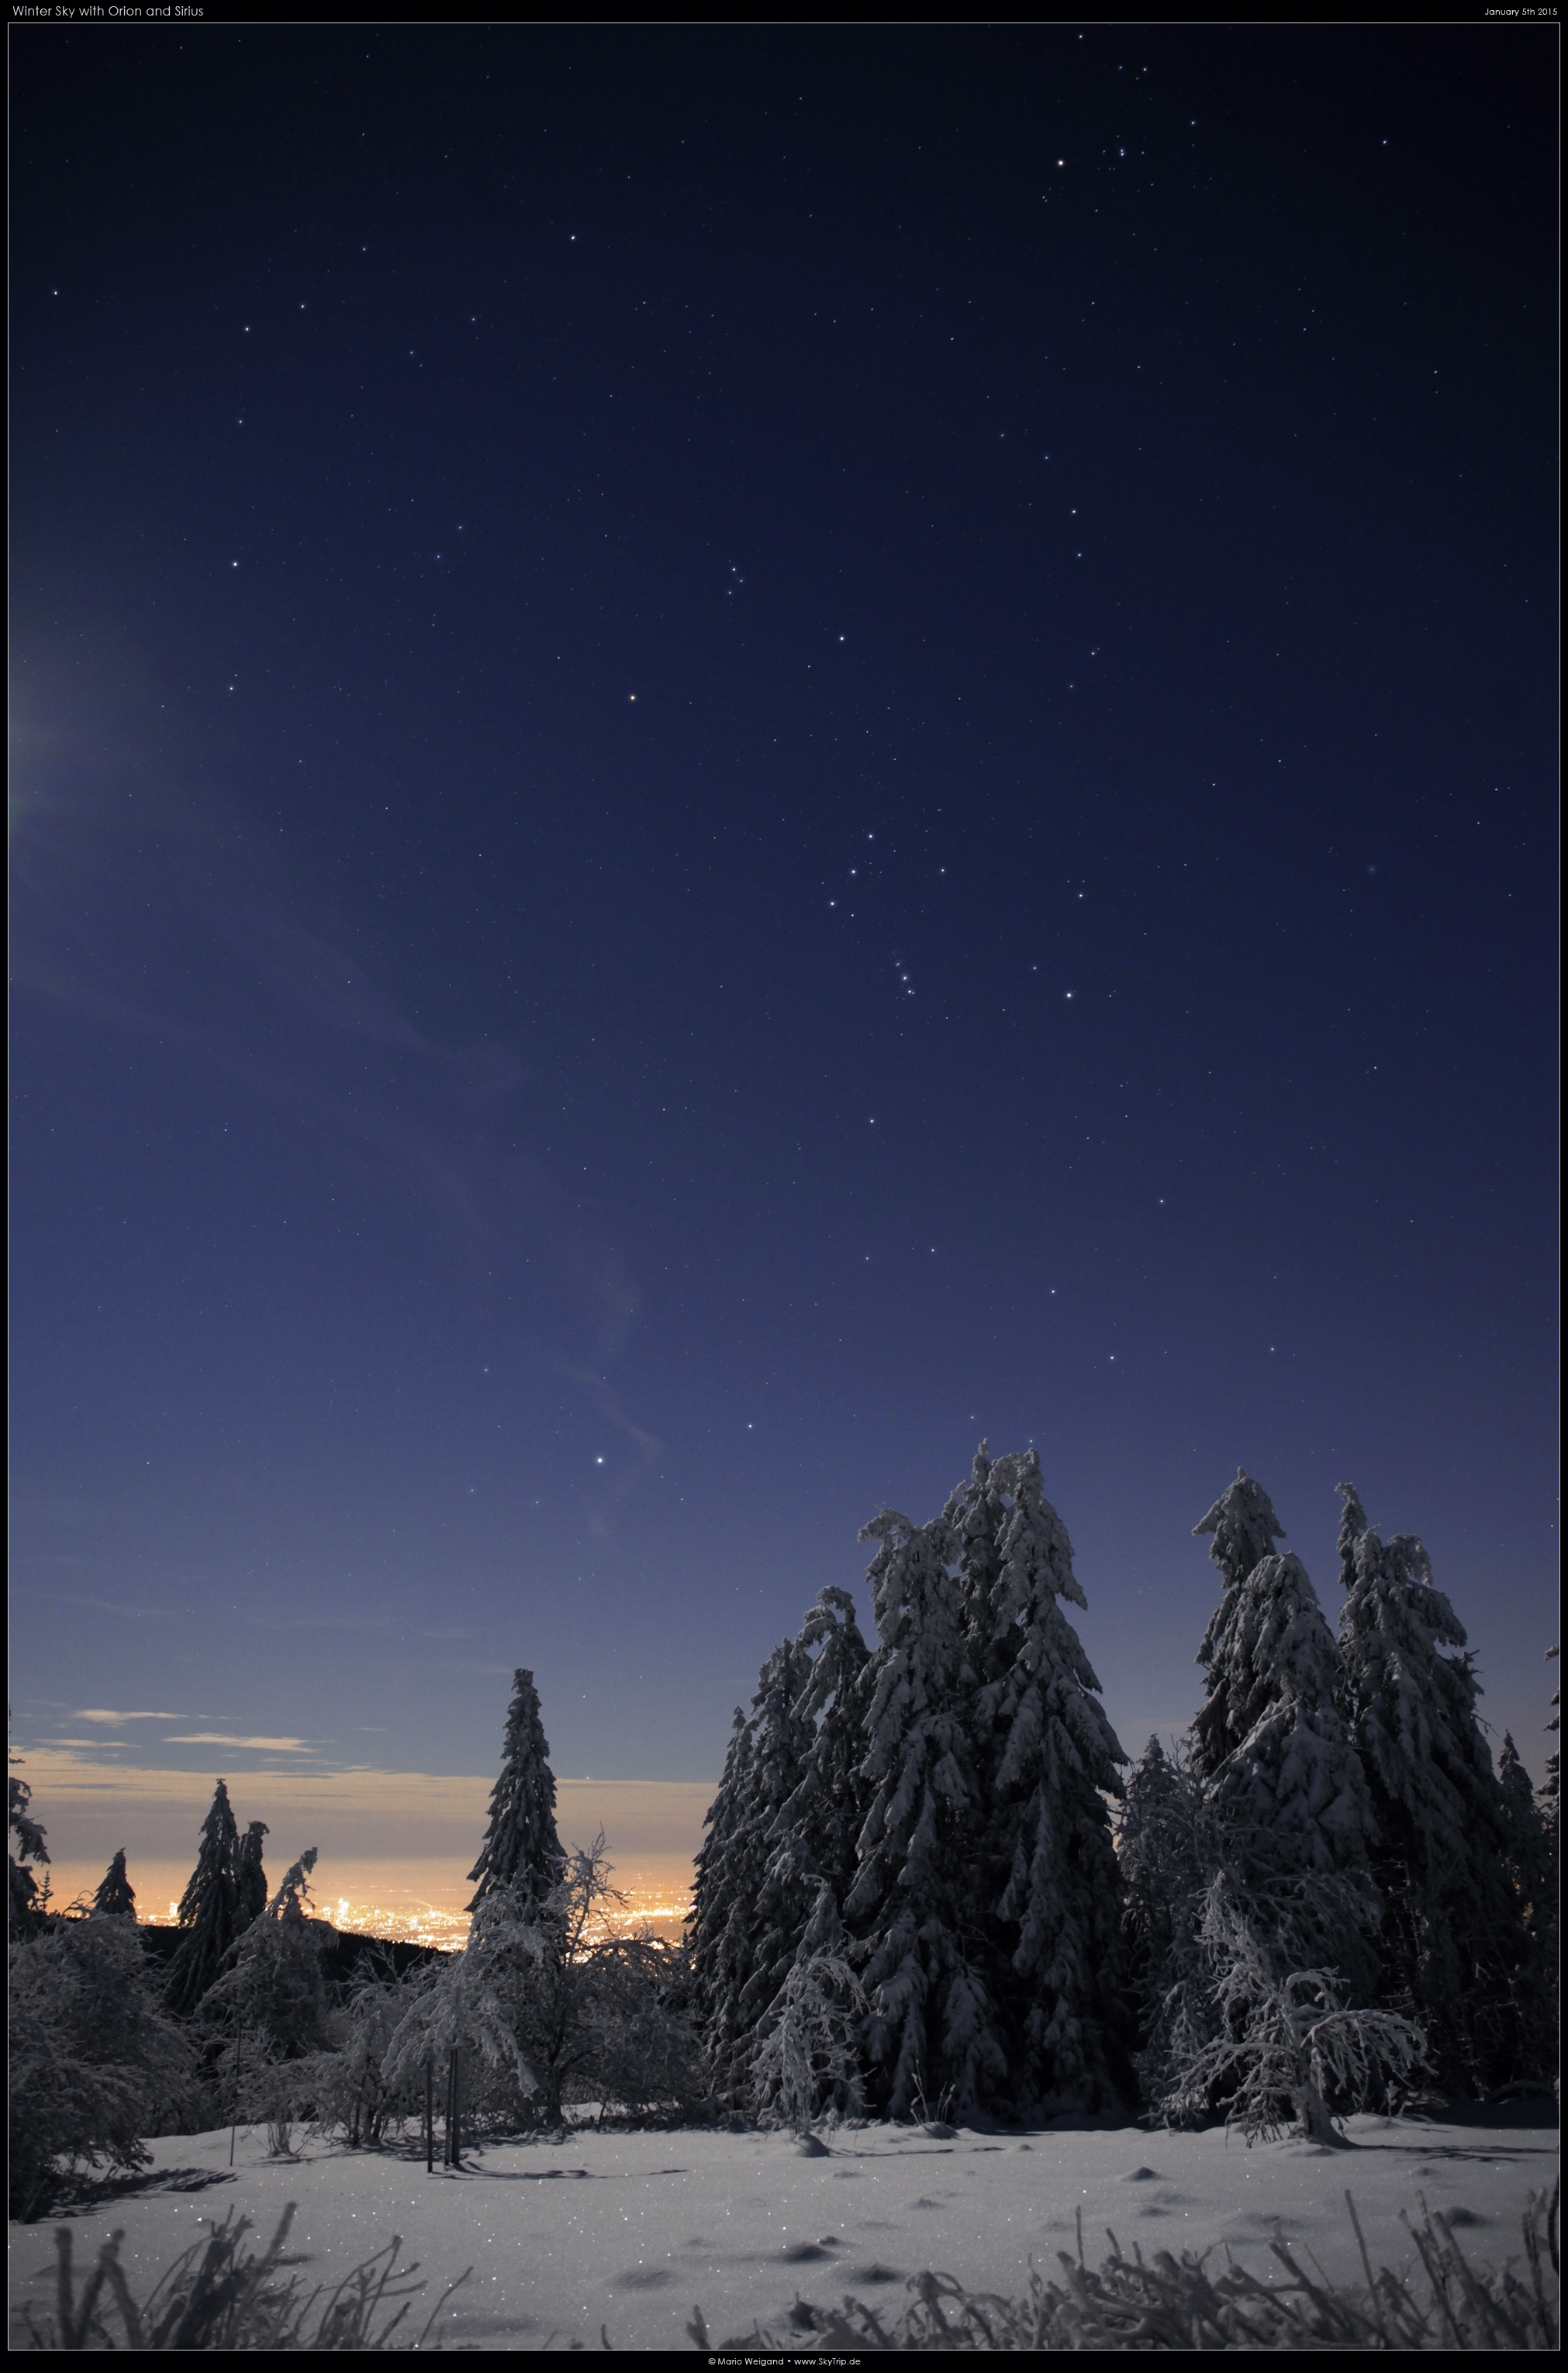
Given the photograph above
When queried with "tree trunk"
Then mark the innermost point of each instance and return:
(453, 2150)
(429, 2117)
(1316, 2125)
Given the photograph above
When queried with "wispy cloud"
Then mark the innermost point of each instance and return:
(271, 1620)
(222, 1738)
(106, 1606)
(105, 1713)
(137, 875)
(646, 1446)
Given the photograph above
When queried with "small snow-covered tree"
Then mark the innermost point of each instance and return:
(1283, 2039)
(555, 1999)
(647, 2061)
(465, 2012)
(747, 1912)
(271, 1989)
(208, 1909)
(1224, 1929)
(116, 1896)
(1247, 1855)
(250, 1877)
(340, 2086)
(96, 2063)
(546, 2001)
(1452, 1937)
(27, 1899)
(807, 2063)
(521, 1851)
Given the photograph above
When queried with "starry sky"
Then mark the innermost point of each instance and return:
(738, 754)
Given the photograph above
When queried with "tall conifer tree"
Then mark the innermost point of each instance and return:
(1049, 1760)
(208, 1909)
(745, 1928)
(933, 2029)
(1269, 1739)
(1528, 1865)
(521, 1851)
(814, 1833)
(1274, 1759)
(1452, 1937)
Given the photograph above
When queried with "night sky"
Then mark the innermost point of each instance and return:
(736, 755)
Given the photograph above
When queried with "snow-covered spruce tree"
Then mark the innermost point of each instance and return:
(1235, 2018)
(715, 1955)
(1162, 1847)
(814, 1832)
(271, 1988)
(208, 1909)
(96, 2063)
(1273, 1754)
(744, 1929)
(25, 1900)
(521, 1851)
(1453, 1941)
(806, 2062)
(1264, 1828)
(918, 1907)
(1048, 1758)
(250, 1877)
(115, 1896)
(1525, 1833)
(811, 1836)
(1550, 1803)
(1244, 1528)
(1526, 1862)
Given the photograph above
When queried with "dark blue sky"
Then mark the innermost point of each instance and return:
(739, 755)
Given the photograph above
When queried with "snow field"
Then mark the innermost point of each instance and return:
(632, 2230)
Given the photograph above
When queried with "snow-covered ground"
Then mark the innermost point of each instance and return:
(631, 2231)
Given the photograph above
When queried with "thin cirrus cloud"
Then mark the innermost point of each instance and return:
(227, 1738)
(107, 1713)
(290, 1013)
